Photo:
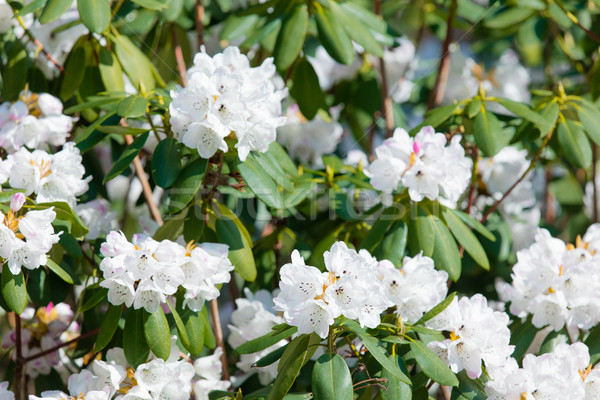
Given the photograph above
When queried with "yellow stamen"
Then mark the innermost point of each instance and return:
(454, 336)
(413, 159)
(561, 270)
(584, 374)
(189, 247)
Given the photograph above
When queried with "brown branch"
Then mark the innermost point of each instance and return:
(179, 56)
(535, 158)
(61, 345)
(437, 94)
(199, 23)
(147, 190)
(575, 20)
(40, 46)
(216, 323)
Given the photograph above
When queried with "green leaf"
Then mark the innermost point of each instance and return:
(95, 14)
(166, 162)
(333, 37)
(331, 378)
(134, 343)
(67, 276)
(65, 218)
(271, 357)
(466, 238)
(522, 110)
(151, 4)
(521, 336)
(187, 185)
(574, 144)
(261, 343)
(306, 89)
(291, 37)
(436, 117)
(356, 29)
(97, 296)
(74, 68)
(396, 389)
(195, 328)
(567, 190)
(232, 232)
(589, 115)
(441, 306)
(445, 252)
(474, 107)
(121, 130)
(183, 336)
(109, 326)
(135, 63)
(509, 18)
(432, 365)
(209, 337)
(126, 157)
(273, 169)
(132, 106)
(473, 223)
(292, 361)
(13, 290)
(393, 244)
(421, 231)
(488, 133)
(54, 9)
(110, 71)
(157, 333)
(593, 343)
(261, 183)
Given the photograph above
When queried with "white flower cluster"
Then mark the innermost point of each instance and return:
(25, 239)
(145, 271)
(97, 217)
(6, 394)
(558, 283)
(224, 95)
(477, 333)
(52, 177)
(357, 286)
(173, 379)
(564, 373)
(400, 65)
(423, 164)
(35, 121)
(42, 329)
(307, 141)
(520, 208)
(255, 317)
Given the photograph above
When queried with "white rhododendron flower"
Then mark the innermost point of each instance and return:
(558, 283)
(208, 369)
(566, 370)
(331, 72)
(224, 95)
(52, 177)
(308, 141)
(427, 165)
(477, 333)
(97, 217)
(142, 273)
(255, 317)
(35, 121)
(25, 239)
(400, 63)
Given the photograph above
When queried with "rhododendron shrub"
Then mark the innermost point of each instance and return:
(296, 199)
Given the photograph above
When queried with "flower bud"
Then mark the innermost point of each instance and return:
(17, 202)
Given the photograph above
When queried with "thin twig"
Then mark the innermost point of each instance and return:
(216, 322)
(199, 23)
(437, 94)
(535, 158)
(179, 56)
(147, 190)
(40, 46)
(575, 20)
(61, 345)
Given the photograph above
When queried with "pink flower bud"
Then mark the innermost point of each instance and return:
(416, 147)
(17, 202)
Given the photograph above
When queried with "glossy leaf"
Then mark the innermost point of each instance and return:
(467, 239)
(132, 106)
(392, 246)
(54, 9)
(95, 14)
(306, 89)
(589, 115)
(331, 378)
(65, 218)
(421, 230)
(432, 364)
(488, 133)
(262, 342)
(109, 326)
(13, 290)
(289, 367)
(126, 157)
(67, 276)
(574, 144)
(110, 71)
(187, 185)
(166, 162)
(261, 183)
(134, 343)
(157, 333)
(396, 389)
(445, 252)
(291, 36)
(333, 37)
(437, 309)
(473, 223)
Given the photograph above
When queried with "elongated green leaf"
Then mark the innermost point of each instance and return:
(422, 233)
(432, 364)
(396, 389)
(357, 30)
(187, 185)
(134, 343)
(157, 333)
(488, 133)
(95, 14)
(92, 300)
(291, 36)
(441, 306)
(261, 183)
(331, 378)
(195, 328)
(521, 336)
(209, 337)
(127, 157)
(66, 218)
(232, 232)
(333, 37)
(274, 170)
(593, 343)
(393, 244)
(121, 130)
(152, 4)
(109, 326)
(132, 106)
(445, 252)
(135, 63)
(74, 68)
(473, 223)
(13, 290)
(67, 276)
(436, 117)
(166, 162)
(111, 71)
(183, 336)
(510, 17)
(474, 107)
(271, 357)
(589, 115)
(467, 239)
(574, 144)
(261, 343)
(54, 9)
(306, 89)
(523, 111)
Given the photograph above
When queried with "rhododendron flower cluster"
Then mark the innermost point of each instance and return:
(143, 272)
(477, 333)
(356, 286)
(26, 238)
(425, 164)
(557, 283)
(566, 371)
(52, 177)
(224, 95)
(35, 121)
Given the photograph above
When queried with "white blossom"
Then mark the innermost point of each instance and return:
(97, 217)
